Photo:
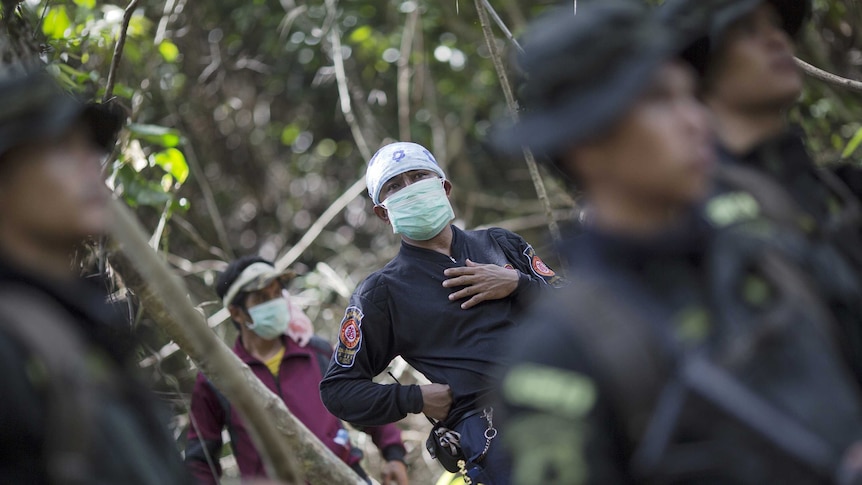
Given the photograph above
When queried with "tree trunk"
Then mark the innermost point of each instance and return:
(280, 438)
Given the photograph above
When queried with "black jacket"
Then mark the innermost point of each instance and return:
(127, 438)
(404, 310)
(587, 401)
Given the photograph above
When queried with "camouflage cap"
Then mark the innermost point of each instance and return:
(582, 72)
(703, 23)
(34, 106)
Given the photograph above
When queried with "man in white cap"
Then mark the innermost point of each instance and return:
(276, 341)
(445, 304)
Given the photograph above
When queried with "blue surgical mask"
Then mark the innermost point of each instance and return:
(421, 210)
(270, 319)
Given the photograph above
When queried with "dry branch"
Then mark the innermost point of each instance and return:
(280, 438)
(828, 77)
(320, 224)
(404, 74)
(502, 25)
(539, 184)
(118, 50)
(361, 143)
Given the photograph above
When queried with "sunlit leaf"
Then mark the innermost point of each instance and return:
(90, 4)
(853, 144)
(289, 134)
(361, 34)
(56, 22)
(160, 135)
(138, 191)
(174, 163)
(169, 51)
(138, 25)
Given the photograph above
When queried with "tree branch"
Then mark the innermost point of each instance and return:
(343, 91)
(502, 25)
(361, 143)
(404, 74)
(533, 168)
(828, 77)
(118, 50)
(281, 439)
(320, 224)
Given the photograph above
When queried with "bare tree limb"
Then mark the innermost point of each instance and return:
(320, 224)
(163, 295)
(502, 26)
(404, 74)
(361, 143)
(516, 224)
(118, 50)
(533, 168)
(209, 199)
(343, 91)
(281, 439)
(828, 77)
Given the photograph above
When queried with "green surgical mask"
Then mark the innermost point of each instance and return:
(419, 211)
(270, 319)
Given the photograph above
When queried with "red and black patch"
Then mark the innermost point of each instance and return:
(349, 337)
(350, 334)
(541, 268)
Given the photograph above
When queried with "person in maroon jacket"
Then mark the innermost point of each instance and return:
(276, 342)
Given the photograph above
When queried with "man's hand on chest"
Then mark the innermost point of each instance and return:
(481, 282)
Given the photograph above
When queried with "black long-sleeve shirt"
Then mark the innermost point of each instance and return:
(404, 310)
(579, 405)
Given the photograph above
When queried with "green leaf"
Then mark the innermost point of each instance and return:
(90, 4)
(174, 163)
(138, 191)
(56, 22)
(79, 76)
(289, 134)
(160, 135)
(169, 51)
(853, 144)
(361, 34)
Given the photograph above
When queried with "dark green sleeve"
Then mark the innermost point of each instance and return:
(556, 423)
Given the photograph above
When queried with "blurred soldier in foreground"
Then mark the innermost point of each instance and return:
(683, 351)
(276, 341)
(743, 50)
(446, 304)
(749, 80)
(71, 410)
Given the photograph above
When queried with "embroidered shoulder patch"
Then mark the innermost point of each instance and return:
(537, 265)
(349, 337)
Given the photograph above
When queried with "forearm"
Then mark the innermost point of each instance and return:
(367, 403)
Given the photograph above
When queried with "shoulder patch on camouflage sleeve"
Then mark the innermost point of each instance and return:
(349, 337)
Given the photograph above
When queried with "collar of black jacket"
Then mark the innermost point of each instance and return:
(687, 239)
(456, 249)
(784, 154)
